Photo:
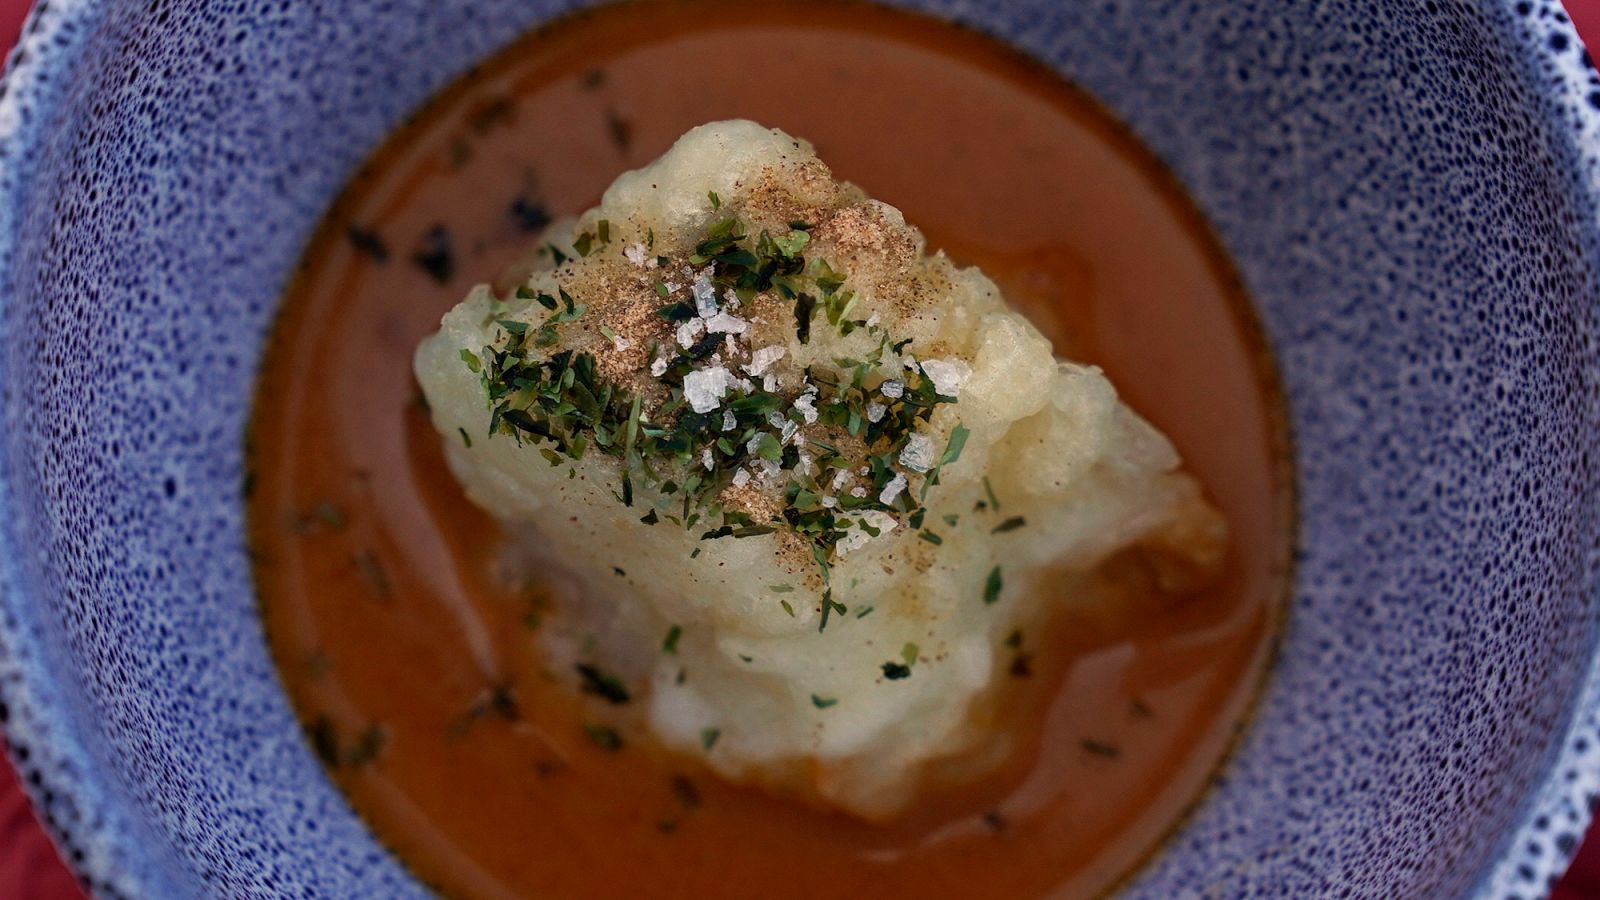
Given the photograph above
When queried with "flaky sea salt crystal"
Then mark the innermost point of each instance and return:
(769, 383)
(723, 323)
(743, 384)
(807, 404)
(857, 536)
(705, 297)
(705, 388)
(830, 502)
(637, 254)
(918, 453)
(892, 489)
(876, 411)
(840, 478)
(762, 359)
(741, 478)
(620, 343)
(729, 420)
(892, 389)
(689, 332)
(658, 367)
(858, 492)
(947, 375)
(706, 459)
(776, 419)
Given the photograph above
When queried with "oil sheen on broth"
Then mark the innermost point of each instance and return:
(408, 651)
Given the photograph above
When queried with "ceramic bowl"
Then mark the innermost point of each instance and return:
(1409, 189)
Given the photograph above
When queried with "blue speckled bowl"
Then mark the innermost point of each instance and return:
(1411, 190)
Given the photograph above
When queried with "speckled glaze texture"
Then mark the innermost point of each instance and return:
(1409, 189)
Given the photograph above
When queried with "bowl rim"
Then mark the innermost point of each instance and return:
(103, 849)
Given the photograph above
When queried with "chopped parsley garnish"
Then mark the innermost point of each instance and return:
(670, 643)
(679, 448)
(602, 684)
(895, 671)
(1022, 666)
(530, 216)
(1100, 748)
(993, 585)
(708, 737)
(684, 791)
(369, 242)
(366, 748)
(372, 571)
(435, 256)
(988, 490)
(583, 244)
(821, 702)
(324, 741)
(1011, 524)
(604, 736)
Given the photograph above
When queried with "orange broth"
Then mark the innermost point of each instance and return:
(410, 658)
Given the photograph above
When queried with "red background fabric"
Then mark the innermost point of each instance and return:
(30, 867)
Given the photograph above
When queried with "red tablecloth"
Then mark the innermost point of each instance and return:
(30, 868)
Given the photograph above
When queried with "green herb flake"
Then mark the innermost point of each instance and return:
(324, 741)
(1011, 524)
(716, 202)
(993, 585)
(474, 364)
(930, 537)
(602, 684)
(684, 791)
(372, 571)
(604, 736)
(708, 738)
(465, 438)
(895, 671)
(909, 652)
(670, 643)
(994, 502)
(821, 702)
(1100, 748)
